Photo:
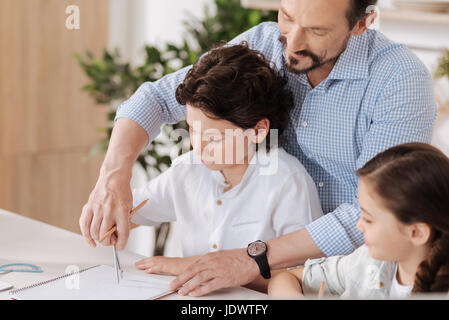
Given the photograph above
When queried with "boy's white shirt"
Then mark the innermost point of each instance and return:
(261, 207)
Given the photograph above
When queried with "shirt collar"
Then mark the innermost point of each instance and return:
(352, 63)
(219, 178)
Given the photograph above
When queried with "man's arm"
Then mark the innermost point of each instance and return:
(228, 268)
(112, 192)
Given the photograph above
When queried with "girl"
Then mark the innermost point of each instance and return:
(404, 202)
(229, 191)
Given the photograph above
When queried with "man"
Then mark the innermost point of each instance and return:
(356, 94)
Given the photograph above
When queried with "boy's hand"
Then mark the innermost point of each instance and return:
(163, 265)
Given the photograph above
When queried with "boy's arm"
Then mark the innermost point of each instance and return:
(160, 193)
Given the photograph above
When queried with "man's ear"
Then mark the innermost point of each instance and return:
(420, 233)
(364, 24)
(261, 131)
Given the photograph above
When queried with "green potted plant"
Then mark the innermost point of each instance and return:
(443, 72)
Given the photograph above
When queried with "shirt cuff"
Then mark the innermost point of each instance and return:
(335, 233)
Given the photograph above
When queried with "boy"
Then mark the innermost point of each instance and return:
(223, 194)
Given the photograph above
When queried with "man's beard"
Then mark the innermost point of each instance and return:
(317, 61)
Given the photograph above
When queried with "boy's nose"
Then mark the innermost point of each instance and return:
(359, 225)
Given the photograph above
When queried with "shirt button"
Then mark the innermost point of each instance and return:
(214, 246)
(321, 184)
(304, 124)
(219, 202)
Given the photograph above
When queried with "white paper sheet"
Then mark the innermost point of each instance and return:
(98, 283)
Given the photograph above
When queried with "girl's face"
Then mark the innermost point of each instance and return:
(385, 236)
(220, 143)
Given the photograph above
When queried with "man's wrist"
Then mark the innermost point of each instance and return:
(115, 174)
(252, 264)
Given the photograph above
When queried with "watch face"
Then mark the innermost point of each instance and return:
(256, 248)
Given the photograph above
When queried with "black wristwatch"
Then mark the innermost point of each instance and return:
(258, 251)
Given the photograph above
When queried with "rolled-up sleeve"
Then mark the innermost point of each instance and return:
(154, 103)
(327, 270)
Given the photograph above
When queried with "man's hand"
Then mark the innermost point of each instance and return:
(216, 270)
(110, 202)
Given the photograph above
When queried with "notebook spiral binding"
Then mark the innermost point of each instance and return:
(13, 292)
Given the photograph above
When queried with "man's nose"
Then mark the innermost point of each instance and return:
(296, 40)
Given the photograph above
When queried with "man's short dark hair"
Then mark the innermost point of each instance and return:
(358, 11)
(237, 84)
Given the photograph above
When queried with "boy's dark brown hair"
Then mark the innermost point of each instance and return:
(237, 84)
(413, 182)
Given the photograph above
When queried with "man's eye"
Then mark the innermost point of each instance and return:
(319, 33)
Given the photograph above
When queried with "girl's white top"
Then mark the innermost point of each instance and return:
(354, 276)
(397, 290)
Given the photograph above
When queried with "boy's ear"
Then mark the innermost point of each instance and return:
(420, 233)
(261, 131)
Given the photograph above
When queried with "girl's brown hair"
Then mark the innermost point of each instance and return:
(413, 182)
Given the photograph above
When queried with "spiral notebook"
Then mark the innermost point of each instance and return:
(96, 283)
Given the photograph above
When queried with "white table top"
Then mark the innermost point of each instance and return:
(23, 240)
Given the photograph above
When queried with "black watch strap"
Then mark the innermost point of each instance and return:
(262, 262)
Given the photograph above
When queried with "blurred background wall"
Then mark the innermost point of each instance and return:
(47, 125)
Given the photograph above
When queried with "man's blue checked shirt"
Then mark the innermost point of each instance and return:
(378, 95)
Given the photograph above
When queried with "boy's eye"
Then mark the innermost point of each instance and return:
(366, 220)
(286, 17)
(212, 139)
